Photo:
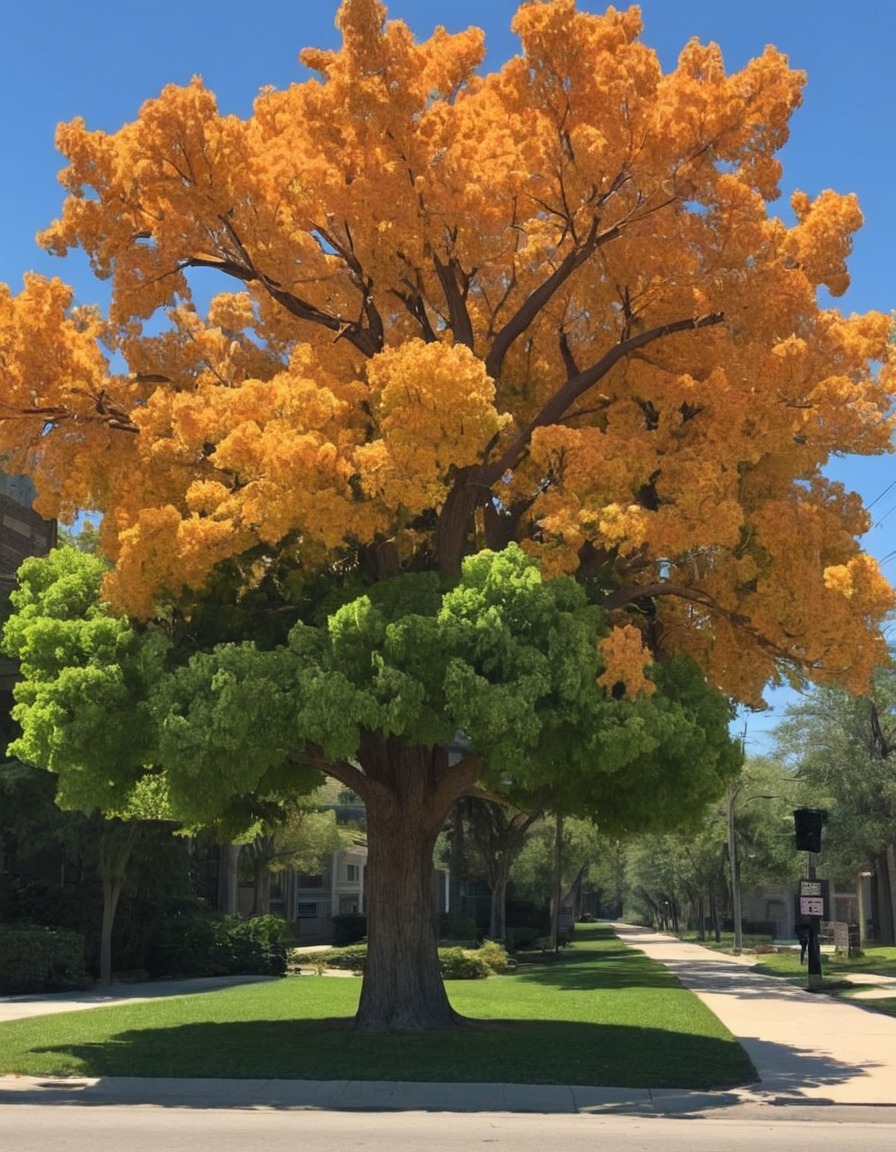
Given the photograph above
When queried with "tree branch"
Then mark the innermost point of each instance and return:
(556, 407)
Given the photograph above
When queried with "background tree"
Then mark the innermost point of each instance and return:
(842, 750)
(494, 834)
(548, 305)
(296, 836)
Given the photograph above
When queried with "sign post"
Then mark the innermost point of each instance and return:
(814, 902)
(814, 897)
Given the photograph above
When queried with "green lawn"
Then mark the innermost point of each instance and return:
(599, 1014)
(841, 977)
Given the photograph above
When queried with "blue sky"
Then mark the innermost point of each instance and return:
(101, 58)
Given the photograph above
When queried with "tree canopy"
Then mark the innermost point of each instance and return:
(475, 333)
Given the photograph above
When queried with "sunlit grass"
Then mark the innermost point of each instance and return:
(600, 1014)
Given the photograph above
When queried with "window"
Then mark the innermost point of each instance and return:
(353, 873)
(306, 910)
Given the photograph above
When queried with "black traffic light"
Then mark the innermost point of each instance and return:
(807, 823)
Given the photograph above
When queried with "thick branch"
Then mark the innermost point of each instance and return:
(363, 339)
(557, 406)
(536, 301)
(461, 325)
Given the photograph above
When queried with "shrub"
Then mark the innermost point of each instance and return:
(258, 947)
(353, 958)
(34, 958)
(349, 929)
(462, 964)
(455, 926)
(197, 945)
(494, 955)
(454, 963)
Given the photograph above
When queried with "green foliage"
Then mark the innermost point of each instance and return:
(842, 751)
(504, 656)
(353, 957)
(454, 963)
(34, 958)
(80, 700)
(494, 954)
(457, 926)
(462, 964)
(258, 946)
(349, 929)
(197, 945)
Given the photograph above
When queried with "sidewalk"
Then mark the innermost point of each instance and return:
(807, 1048)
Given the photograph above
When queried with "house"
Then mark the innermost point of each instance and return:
(311, 902)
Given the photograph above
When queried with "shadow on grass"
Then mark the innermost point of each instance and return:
(596, 960)
(482, 1051)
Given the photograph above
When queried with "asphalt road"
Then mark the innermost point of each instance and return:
(147, 1128)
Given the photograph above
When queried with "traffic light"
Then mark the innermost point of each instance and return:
(807, 823)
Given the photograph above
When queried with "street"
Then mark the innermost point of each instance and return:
(146, 1128)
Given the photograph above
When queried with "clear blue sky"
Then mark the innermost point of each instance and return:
(101, 58)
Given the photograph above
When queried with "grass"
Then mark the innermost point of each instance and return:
(599, 1014)
(841, 977)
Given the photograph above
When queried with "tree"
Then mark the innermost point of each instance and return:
(546, 307)
(298, 836)
(496, 832)
(81, 679)
(842, 750)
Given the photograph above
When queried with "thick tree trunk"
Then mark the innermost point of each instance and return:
(407, 803)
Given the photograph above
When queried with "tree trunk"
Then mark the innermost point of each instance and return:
(261, 894)
(891, 894)
(116, 844)
(228, 879)
(497, 929)
(407, 801)
(111, 892)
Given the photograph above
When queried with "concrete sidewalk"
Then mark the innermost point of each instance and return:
(807, 1049)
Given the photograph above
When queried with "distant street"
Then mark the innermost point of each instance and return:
(144, 1128)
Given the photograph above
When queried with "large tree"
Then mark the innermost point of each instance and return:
(548, 305)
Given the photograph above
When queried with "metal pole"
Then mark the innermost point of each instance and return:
(735, 877)
(813, 954)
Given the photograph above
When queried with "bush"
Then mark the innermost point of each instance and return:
(197, 945)
(34, 958)
(454, 963)
(494, 955)
(454, 926)
(462, 964)
(353, 958)
(349, 929)
(258, 947)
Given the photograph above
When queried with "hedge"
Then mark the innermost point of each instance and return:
(34, 958)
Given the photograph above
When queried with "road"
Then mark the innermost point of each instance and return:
(146, 1128)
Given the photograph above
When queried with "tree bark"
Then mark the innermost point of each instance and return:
(228, 879)
(498, 920)
(409, 793)
(115, 847)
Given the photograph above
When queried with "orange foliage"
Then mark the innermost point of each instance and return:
(550, 303)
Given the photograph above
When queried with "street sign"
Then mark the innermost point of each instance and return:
(814, 898)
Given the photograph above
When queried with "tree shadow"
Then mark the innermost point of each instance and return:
(481, 1051)
(485, 1066)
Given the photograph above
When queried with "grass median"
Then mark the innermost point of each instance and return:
(599, 1013)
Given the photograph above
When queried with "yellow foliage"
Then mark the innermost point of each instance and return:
(626, 659)
(551, 303)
